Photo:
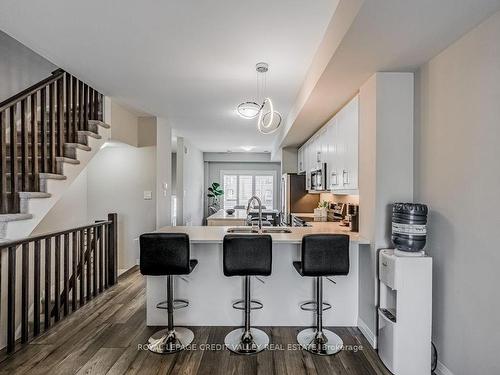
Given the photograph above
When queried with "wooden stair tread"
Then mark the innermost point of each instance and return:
(52, 176)
(33, 194)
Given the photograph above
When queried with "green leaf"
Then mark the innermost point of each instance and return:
(215, 185)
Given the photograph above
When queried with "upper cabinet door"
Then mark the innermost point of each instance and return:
(351, 141)
(345, 157)
(332, 160)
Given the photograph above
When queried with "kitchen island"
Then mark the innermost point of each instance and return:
(211, 294)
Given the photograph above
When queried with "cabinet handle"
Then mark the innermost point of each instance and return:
(335, 181)
(345, 177)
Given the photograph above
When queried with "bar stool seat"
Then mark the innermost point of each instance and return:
(322, 255)
(167, 254)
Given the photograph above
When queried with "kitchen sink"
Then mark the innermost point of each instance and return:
(242, 230)
(266, 230)
(276, 230)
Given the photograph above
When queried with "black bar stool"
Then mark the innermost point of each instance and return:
(167, 254)
(322, 255)
(247, 255)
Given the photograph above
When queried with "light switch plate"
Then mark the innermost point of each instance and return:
(148, 194)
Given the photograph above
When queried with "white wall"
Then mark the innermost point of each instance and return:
(20, 67)
(457, 175)
(163, 173)
(117, 178)
(385, 174)
(189, 183)
(70, 211)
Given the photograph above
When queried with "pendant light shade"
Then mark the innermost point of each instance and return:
(248, 110)
(266, 123)
(273, 124)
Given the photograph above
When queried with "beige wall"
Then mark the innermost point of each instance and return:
(458, 176)
(124, 125)
(146, 131)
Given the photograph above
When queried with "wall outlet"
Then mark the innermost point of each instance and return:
(148, 195)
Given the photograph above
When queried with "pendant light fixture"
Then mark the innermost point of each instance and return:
(248, 110)
(268, 120)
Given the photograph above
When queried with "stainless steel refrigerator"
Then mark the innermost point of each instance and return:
(295, 198)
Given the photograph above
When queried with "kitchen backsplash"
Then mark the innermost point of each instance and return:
(354, 199)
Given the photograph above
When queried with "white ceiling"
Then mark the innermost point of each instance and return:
(385, 35)
(187, 60)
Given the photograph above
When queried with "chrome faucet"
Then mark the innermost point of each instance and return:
(260, 208)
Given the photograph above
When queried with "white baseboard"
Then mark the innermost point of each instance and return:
(122, 271)
(442, 369)
(370, 336)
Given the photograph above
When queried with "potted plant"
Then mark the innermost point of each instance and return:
(322, 210)
(214, 192)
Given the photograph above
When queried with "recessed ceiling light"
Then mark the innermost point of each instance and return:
(248, 110)
(248, 148)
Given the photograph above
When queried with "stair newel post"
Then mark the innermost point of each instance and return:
(112, 248)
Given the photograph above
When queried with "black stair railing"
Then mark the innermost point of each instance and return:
(34, 126)
(82, 262)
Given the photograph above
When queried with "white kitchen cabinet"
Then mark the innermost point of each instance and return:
(335, 144)
(345, 159)
(332, 167)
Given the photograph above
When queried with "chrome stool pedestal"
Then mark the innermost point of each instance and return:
(319, 340)
(172, 339)
(247, 340)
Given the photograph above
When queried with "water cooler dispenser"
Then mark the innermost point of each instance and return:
(405, 298)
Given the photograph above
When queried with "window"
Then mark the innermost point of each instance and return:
(239, 186)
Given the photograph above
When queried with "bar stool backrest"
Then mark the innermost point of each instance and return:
(247, 255)
(164, 254)
(325, 254)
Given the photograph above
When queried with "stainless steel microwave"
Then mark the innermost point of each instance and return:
(318, 178)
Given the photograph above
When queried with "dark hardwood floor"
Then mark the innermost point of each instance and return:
(104, 338)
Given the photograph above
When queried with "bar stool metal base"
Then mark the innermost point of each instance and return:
(240, 343)
(165, 341)
(326, 344)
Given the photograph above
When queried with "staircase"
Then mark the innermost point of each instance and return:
(48, 134)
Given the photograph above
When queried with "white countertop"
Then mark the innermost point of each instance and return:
(215, 234)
